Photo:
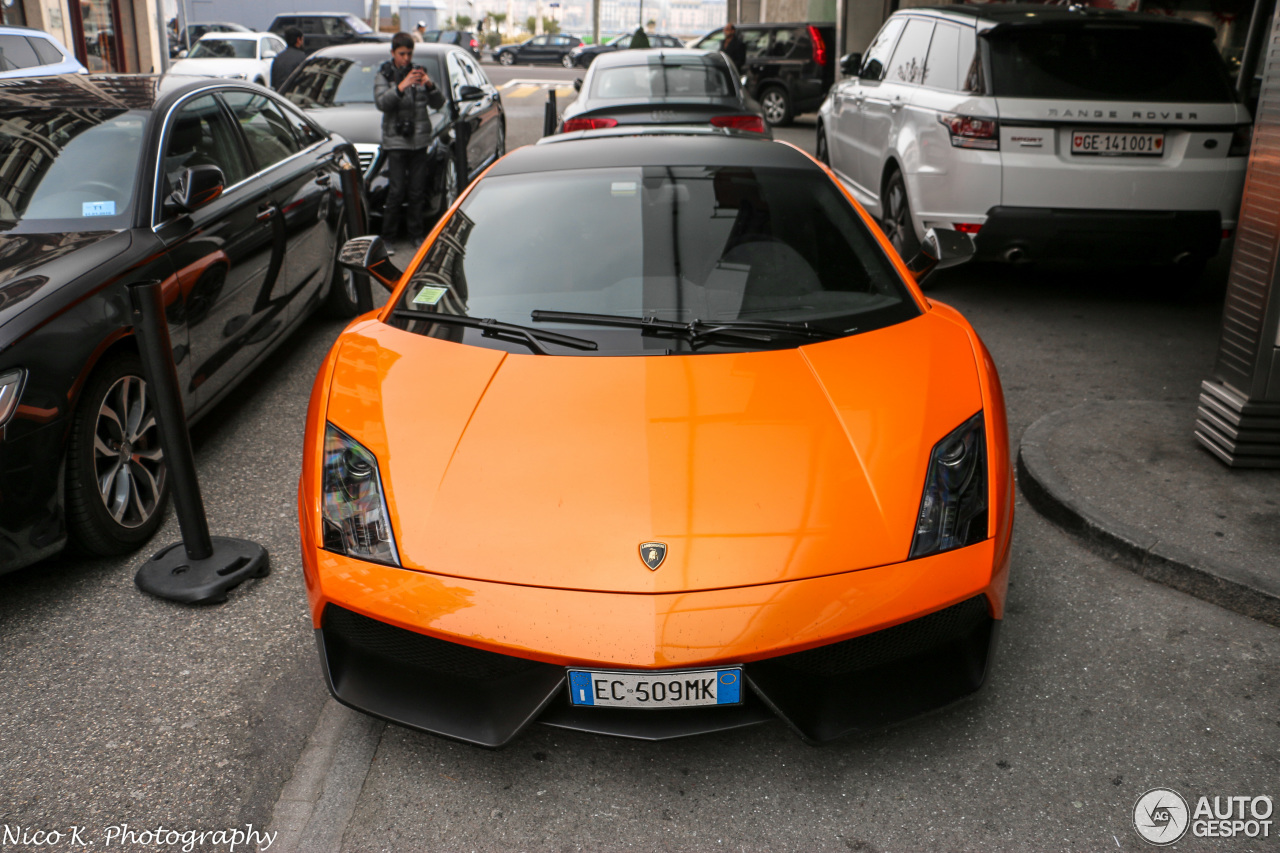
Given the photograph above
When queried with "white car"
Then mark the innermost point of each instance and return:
(25, 52)
(235, 56)
(1047, 133)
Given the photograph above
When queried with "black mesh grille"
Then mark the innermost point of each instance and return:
(418, 650)
(900, 641)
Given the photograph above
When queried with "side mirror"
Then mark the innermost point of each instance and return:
(577, 85)
(269, 54)
(182, 54)
(470, 93)
(850, 63)
(369, 255)
(198, 186)
(941, 248)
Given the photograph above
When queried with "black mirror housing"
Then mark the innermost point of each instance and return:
(470, 93)
(368, 255)
(577, 85)
(197, 186)
(873, 70)
(941, 248)
(850, 63)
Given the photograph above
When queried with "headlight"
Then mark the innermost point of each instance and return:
(354, 510)
(10, 388)
(953, 510)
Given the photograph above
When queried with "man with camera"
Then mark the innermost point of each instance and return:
(406, 95)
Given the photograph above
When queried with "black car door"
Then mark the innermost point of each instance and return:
(489, 134)
(221, 251)
(299, 202)
(469, 115)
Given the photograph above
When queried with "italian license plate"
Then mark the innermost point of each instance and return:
(687, 689)
(1121, 144)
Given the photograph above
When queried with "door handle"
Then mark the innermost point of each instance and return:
(857, 100)
(266, 211)
(896, 104)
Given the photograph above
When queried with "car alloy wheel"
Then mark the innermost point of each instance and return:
(897, 218)
(117, 481)
(507, 58)
(776, 105)
(566, 61)
(824, 155)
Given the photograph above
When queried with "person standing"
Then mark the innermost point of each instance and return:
(405, 94)
(733, 46)
(419, 31)
(282, 66)
(639, 39)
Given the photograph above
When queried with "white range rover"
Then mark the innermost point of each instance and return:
(1047, 133)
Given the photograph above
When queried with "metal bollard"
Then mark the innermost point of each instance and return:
(201, 568)
(550, 114)
(356, 216)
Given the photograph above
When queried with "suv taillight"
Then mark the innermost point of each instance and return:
(473, 43)
(755, 124)
(589, 124)
(1240, 141)
(972, 132)
(819, 46)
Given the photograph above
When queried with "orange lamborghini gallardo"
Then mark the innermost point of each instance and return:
(656, 436)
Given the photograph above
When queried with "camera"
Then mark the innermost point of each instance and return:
(404, 126)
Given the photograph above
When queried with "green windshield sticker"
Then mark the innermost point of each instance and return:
(430, 295)
(624, 187)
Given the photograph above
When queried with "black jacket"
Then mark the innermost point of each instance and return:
(402, 110)
(736, 50)
(282, 66)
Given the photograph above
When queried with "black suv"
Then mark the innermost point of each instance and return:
(322, 29)
(789, 66)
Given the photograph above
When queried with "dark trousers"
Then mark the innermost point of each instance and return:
(407, 177)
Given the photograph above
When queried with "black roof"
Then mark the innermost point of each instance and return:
(1034, 13)
(97, 91)
(651, 149)
(364, 50)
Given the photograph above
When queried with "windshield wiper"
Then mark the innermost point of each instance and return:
(747, 330)
(491, 328)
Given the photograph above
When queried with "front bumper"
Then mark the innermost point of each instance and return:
(474, 661)
(1099, 236)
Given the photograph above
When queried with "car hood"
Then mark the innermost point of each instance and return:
(215, 67)
(357, 123)
(35, 266)
(752, 468)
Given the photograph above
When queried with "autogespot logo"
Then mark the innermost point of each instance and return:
(1160, 816)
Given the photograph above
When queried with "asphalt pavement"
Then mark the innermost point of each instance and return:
(121, 709)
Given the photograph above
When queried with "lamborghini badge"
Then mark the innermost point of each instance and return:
(653, 553)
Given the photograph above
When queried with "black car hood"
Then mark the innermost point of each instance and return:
(35, 266)
(356, 123)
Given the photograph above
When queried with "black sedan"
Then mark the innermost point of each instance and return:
(546, 48)
(584, 54)
(222, 191)
(663, 87)
(335, 87)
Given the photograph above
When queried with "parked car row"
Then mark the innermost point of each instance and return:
(233, 55)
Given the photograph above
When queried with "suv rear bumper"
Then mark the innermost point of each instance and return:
(1098, 236)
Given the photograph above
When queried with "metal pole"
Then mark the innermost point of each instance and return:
(549, 115)
(1259, 27)
(595, 21)
(152, 331)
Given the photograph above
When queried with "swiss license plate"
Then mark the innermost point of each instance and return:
(686, 689)
(1117, 144)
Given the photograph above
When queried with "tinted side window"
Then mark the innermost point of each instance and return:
(265, 128)
(877, 55)
(783, 42)
(200, 135)
(907, 65)
(756, 41)
(16, 52)
(711, 42)
(457, 77)
(49, 55)
(970, 62)
(942, 70)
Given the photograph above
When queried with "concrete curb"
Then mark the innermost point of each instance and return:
(1142, 552)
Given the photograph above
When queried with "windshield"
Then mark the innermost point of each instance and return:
(211, 48)
(683, 244)
(76, 168)
(333, 82)
(1109, 62)
(659, 80)
(357, 24)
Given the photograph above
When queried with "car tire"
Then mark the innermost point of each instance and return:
(776, 105)
(897, 223)
(343, 300)
(114, 439)
(507, 59)
(820, 147)
(566, 61)
(501, 148)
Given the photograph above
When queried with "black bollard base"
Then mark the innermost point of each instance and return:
(173, 575)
